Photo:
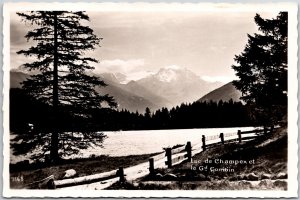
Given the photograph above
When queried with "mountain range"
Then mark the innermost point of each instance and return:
(131, 96)
(224, 93)
(168, 87)
(178, 85)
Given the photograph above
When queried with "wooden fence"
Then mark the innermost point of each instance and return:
(173, 157)
(182, 154)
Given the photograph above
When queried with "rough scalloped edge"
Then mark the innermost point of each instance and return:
(292, 8)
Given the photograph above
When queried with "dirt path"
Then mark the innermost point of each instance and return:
(131, 173)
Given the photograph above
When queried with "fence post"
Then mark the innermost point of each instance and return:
(151, 166)
(265, 130)
(188, 149)
(272, 129)
(222, 137)
(203, 143)
(47, 158)
(169, 157)
(240, 136)
(121, 174)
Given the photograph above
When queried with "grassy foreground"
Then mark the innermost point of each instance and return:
(264, 160)
(19, 178)
(264, 156)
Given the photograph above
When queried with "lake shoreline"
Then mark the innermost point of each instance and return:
(219, 155)
(124, 143)
(251, 165)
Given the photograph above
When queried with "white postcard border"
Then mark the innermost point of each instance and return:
(162, 7)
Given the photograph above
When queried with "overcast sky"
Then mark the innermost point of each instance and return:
(142, 42)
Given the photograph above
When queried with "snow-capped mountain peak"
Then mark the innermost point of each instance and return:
(113, 77)
(166, 75)
(174, 73)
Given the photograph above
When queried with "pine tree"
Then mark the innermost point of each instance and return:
(262, 69)
(147, 113)
(61, 77)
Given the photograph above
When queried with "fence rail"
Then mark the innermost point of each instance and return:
(90, 179)
(187, 155)
(173, 157)
(178, 150)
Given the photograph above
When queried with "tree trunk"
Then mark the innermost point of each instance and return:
(54, 137)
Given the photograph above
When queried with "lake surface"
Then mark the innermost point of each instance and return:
(124, 143)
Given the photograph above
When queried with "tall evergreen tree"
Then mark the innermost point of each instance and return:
(147, 113)
(61, 79)
(262, 69)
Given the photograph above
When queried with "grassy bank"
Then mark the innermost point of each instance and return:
(255, 164)
(258, 166)
(19, 178)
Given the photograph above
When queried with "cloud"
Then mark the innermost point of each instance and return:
(118, 65)
(134, 69)
(138, 75)
(174, 67)
(136, 43)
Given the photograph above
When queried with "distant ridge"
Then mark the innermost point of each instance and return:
(224, 93)
(168, 88)
(16, 78)
(133, 98)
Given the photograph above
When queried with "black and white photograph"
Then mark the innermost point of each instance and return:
(150, 100)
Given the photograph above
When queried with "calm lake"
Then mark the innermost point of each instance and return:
(123, 143)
